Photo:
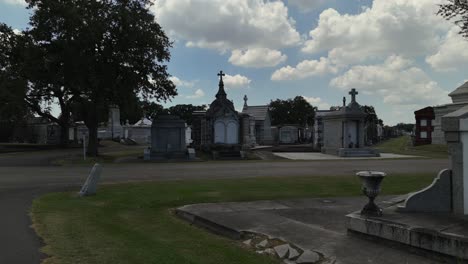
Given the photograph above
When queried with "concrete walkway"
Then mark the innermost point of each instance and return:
(310, 224)
(321, 156)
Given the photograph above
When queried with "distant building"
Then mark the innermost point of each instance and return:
(459, 99)
(424, 126)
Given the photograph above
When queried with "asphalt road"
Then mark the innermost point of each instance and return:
(25, 176)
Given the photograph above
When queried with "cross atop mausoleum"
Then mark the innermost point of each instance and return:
(221, 93)
(353, 94)
(221, 74)
(245, 100)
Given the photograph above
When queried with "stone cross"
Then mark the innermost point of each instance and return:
(221, 74)
(245, 100)
(353, 94)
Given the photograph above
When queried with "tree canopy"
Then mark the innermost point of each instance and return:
(96, 53)
(456, 10)
(12, 85)
(292, 111)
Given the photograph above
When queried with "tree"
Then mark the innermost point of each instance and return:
(457, 10)
(184, 111)
(292, 111)
(12, 85)
(371, 122)
(104, 51)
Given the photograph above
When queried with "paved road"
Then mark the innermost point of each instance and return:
(20, 184)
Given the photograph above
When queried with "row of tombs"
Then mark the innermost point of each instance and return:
(221, 128)
(340, 131)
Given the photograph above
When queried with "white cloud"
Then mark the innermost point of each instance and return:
(318, 102)
(406, 27)
(304, 69)
(227, 25)
(306, 5)
(396, 80)
(181, 83)
(257, 58)
(236, 81)
(198, 94)
(14, 2)
(452, 54)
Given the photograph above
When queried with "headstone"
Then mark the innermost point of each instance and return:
(114, 128)
(191, 153)
(90, 186)
(288, 134)
(168, 137)
(147, 154)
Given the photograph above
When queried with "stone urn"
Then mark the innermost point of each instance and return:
(371, 181)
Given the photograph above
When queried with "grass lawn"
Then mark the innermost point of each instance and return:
(133, 223)
(402, 145)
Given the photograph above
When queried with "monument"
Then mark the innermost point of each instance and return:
(433, 218)
(343, 131)
(168, 138)
(114, 128)
(221, 127)
(260, 125)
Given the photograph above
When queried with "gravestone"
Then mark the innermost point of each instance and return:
(288, 134)
(168, 137)
(114, 128)
(90, 186)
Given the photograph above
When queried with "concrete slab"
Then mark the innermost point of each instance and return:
(316, 224)
(321, 156)
(439, 232)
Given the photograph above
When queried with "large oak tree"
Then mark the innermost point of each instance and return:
(101, 52)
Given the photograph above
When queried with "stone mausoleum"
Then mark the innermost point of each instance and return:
(222, 127)
(459, 99)
(168, 137)
(343, 131)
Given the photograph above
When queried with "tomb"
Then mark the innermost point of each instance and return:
(343, 131)
(434, 218)
(168, 138)
(260, 125)
(221, 127)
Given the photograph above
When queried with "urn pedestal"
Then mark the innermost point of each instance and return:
(371, 182)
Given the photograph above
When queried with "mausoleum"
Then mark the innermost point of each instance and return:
(343, 131)
(222, 127)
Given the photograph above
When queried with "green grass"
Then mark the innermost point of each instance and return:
(402, 145)
(133, 223)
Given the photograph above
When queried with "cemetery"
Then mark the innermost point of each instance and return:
(266, 132)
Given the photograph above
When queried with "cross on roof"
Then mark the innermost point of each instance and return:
(221, 74)
(353, 94)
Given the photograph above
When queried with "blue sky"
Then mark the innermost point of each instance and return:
(398, 54)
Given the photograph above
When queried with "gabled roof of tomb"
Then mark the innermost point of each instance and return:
(259, 112)
(463, 89)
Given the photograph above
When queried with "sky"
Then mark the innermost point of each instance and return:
(398, 54)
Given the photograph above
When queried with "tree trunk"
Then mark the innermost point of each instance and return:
(93, 139)
(92, 122)
(64, 134)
